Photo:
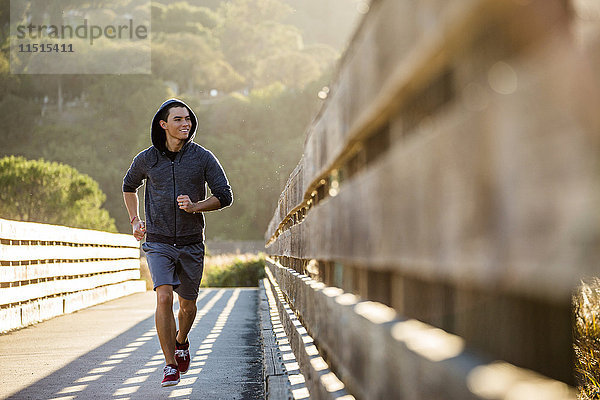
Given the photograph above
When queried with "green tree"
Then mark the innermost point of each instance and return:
(294, 70)
(252, 31)
(204, 67)
(50, 192)
(183, 17)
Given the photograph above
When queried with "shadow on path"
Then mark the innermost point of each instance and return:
(224, 344)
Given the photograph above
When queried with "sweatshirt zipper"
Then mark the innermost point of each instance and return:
(174, 201)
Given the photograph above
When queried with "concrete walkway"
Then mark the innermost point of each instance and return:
(111, 351)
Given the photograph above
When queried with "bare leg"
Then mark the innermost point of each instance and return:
(165, 322)
(186, 316)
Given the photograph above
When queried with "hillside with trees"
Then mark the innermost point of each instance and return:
(245, 68)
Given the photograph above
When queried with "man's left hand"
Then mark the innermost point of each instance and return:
(185, 204)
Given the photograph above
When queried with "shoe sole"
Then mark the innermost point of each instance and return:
(170, 383)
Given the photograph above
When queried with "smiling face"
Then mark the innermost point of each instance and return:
(178, 124)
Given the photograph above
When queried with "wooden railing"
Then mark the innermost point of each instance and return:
(48, 270)
(448, 191)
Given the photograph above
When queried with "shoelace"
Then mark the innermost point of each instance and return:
(182, 353)
(170, 370)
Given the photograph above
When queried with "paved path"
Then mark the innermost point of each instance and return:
(111, 351)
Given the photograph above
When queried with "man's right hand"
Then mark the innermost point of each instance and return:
(139, 229)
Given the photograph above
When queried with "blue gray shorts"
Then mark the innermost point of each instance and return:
(180, 267)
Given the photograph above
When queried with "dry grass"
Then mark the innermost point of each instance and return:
(228, 270)
(586, 303)
(233, 270)
(225, 260)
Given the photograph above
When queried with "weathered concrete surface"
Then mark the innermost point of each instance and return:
(111, 351)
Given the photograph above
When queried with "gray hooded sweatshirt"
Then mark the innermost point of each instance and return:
(193, 168)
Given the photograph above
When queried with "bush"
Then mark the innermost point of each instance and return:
(586, 334)
(233, 271)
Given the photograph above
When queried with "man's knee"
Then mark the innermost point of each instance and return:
(164, 296)
(187, 307)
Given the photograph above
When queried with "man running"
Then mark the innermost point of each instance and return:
(176, 171)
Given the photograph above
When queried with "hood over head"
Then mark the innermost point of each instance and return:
(158, 133)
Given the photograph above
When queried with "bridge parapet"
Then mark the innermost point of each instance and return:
(49, 270)
(452, 175)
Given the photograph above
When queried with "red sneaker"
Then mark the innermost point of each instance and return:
(171, 375)
(182, 356)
